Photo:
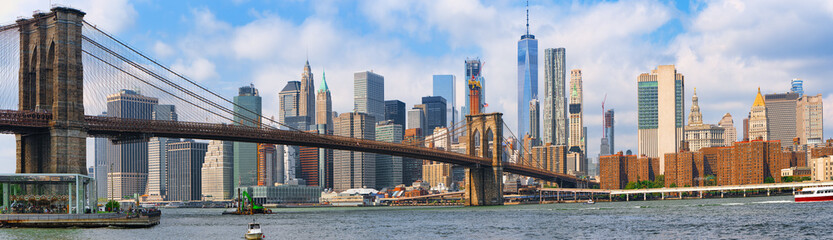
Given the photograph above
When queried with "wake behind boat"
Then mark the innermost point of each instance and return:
(815, 194)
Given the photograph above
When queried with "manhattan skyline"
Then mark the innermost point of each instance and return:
(725, 49)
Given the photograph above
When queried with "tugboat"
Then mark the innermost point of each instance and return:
(254, 231)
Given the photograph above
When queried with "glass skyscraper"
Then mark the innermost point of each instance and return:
(660, 112)
(444, 86)
(435, 113)
(247, 110)
(395, 111)
(527, 79)
(369, 94)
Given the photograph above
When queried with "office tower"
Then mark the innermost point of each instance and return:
(217, 171)
(308, 169)
(609, 130)
(291, 162)
(324, 104)
(325, 161)
(369, 94)
(730, 134)
(388, 168)
(435, 113)
(156, 155)
(660, 110)
(411, 168)
(527, 78)
(267, 169)
(746, 126)
(699, 135)
(306, 103)
(289, 99)
(395, 111)
(129, 171)
(354, 169)
(534, 122)
(184, 173)
(797, 86)
(758, 124)
(809, 119)
(101, 166)
(445, 86)
(781, 116)
(416, 119)
(437, 174)
(247, 109)
(577, 132)
(473, 74)
(555, 103)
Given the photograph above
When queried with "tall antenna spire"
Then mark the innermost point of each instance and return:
(527, 17)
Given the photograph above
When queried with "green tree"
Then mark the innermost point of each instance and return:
(112, 206)
(787, 179)
(673, 185)
(769, 180)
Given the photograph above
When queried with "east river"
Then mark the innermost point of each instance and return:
(744, 218)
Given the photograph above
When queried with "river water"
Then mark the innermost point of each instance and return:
(744, 218)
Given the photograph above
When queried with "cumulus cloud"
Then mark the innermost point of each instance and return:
(199, 69)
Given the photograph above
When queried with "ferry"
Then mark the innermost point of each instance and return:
(815, 194)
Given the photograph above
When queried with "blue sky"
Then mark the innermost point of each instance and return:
(726, 49)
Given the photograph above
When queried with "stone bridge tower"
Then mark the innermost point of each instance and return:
(484, 185)
(51, 80)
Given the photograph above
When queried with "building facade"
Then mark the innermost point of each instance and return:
(248, 109)
(555, 101)
(354, 169)
(435, 114)
(217, 171)
(781, 117)
(306, 103)
(324, 105)
(446, 86)
(185, 161)
(730, 133)
(578, 136)
(388, 168)
(660, 112)
(473, 73)
(527, 78)
(809, 126)
(699, 135)
(758, 121)
(156, 155)
(395, 111)
(129, 172)
(369, 94)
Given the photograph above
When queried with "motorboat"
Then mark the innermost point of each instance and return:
(254, 231)
(814, 194)
(590, 201)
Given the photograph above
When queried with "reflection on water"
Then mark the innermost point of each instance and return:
(765, 217)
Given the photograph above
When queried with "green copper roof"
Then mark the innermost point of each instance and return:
(323, 87)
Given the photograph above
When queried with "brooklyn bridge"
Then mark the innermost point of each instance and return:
(63, 67)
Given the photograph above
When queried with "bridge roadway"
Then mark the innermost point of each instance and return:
(15, 121)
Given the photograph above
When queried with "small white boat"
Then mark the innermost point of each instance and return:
(254, 231)
(815, 194)
(590, 201)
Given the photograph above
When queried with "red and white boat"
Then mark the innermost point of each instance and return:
(815, 194)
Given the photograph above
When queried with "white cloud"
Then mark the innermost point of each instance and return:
(110, 15)
(199, 69)
(162, 50)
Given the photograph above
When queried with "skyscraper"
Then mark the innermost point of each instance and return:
(534, 123)
(289, 98)
(247, 110)
(369, 94)
(700, 135)
(809, 119)
(730, 134)
(129, 160)
(436, 113)
(445, 86)
(416, 119)
(101, 166)
(576, 112)
(781, 116)
(184, 173)
(395, 111)
(555, 101)
(797, 86)
(473, 73)
(527, 77)
(354, 169)
(758, 124)
(324, 104)
(157, 158)
(217, 171)
(660, 110)
(388, 168)
(306, 103)
(606, 147)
